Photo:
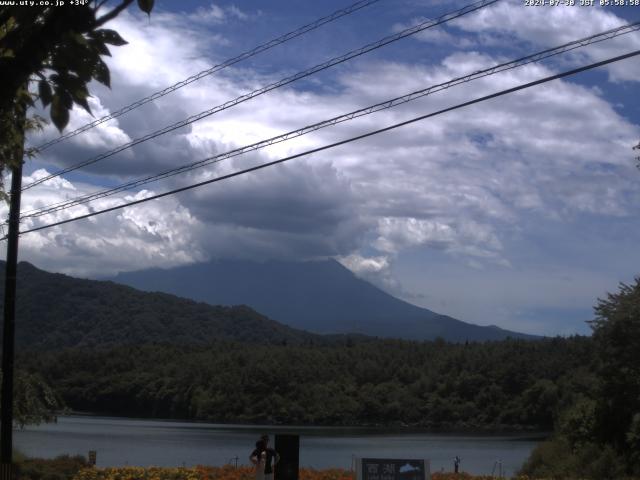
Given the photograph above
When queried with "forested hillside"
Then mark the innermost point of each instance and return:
(509, 384)
(57, 311)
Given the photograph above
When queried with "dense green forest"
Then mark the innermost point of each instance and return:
(508, 384)
(55, 311)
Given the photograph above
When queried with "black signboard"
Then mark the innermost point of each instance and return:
(392, 469)
(288, 446)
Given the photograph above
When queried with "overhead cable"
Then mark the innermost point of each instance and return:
(216, 68)
(243, 98)
(536, 57)
(336, 144)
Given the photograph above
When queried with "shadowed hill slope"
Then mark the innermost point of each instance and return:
(57, 311)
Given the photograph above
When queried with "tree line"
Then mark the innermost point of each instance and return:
(512, 384)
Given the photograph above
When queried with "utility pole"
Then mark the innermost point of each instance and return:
(8, 333)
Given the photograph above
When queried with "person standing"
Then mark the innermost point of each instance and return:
(264, 458)
(258, 458)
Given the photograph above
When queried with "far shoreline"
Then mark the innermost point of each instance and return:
(527, 433)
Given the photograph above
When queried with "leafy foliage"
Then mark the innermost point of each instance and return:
(557, 458)
(616, 331)
(598, 434)
(346, 382)
(58, 49)
(33, 401)
(64, 467)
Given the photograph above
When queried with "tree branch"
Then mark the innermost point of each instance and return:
(98, 5)
(113, 13)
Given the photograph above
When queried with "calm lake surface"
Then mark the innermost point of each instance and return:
(123, 441)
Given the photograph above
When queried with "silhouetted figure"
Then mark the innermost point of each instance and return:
(264, 458)
(456, 464)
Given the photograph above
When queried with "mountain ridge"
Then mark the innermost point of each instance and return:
(322, 297)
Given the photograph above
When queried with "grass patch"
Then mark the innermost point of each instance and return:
(64, 467)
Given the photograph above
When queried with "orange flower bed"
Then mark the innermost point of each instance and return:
(234, 473)
(467, 476)
(199, 473)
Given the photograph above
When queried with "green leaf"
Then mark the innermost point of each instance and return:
(80, 95)
(79, 38)
(99, 46)
(44, 89)
(109, 36)
(64, 97)
(70, 88)
(69, 82)
(101, 73)
(25, 97)
(59, 113)
(146, 6)
(85, 67)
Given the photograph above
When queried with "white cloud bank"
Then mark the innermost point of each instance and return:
(462, 184)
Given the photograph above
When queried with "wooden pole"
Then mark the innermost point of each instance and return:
(8, 333)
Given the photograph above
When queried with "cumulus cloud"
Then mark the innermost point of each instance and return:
(214, 14)
(550, 27)
(363, 265)
(376, 270)
(160, 233)
(465, 185)
(437, 36)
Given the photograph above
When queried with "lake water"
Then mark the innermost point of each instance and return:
(123, 441)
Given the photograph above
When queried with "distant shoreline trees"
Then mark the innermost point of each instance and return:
(507, 385)
(34, 400)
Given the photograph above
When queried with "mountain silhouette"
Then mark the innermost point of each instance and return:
(317, 296)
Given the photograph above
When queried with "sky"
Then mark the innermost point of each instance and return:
(519, 211)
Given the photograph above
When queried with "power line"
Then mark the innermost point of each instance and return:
(243, 98)
(536, 57)
(216, 68)
(342, 142)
